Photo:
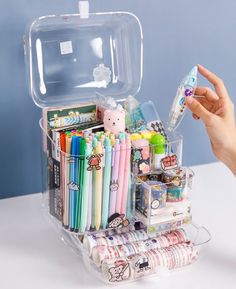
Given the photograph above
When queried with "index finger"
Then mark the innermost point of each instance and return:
(215, 80)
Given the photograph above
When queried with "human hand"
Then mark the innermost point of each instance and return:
(216, 110)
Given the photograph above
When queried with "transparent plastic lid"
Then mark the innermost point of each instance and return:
(70, 59)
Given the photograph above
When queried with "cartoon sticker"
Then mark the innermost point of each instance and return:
(94, 162)
(119, 273)
(117, 221)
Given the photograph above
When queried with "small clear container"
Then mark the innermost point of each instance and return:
(164, 155)
(163, 203)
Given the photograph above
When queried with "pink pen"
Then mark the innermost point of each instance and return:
(126, 175)
(121, 174)
(114, 179)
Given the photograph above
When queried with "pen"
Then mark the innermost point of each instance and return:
(85, 191)
(89, 217)
(126, 175)
(121, 173)
(114, 181)
(94, 145)
(98, 195)
(73, 179)
(106, 182)
(67, 194)
(80, 181)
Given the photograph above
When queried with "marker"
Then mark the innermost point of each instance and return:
(187, 88)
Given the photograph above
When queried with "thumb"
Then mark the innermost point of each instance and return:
(198, 109)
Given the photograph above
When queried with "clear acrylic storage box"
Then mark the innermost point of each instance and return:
(128, 223)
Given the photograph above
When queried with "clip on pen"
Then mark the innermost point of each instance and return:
(187, 88)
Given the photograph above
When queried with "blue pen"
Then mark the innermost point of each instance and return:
(73, 179)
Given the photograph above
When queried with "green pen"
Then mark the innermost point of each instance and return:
(94, 145)
(82, 146)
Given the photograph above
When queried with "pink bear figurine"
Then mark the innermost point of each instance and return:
(114, 120)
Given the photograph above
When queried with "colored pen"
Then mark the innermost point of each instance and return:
(67, 170)
(73, 179)
(126, 175)
(98, 195)
(106, 182)
(114, 179)
(85, 191)
(121, 174)
(94, 145)
(89, 217)
(80, 181)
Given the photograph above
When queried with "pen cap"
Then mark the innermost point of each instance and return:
(158, 142)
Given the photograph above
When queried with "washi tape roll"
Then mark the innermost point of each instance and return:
(91, 241)
(175, 180)
(118, 270)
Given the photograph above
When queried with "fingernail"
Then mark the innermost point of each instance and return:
(189, 99)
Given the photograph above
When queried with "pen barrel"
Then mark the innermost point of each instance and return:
(114, 181)
(106, 187)
(85, 194)
(126, 181)
(121, 179)
(98, 199)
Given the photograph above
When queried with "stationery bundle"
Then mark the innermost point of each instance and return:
(112, 171)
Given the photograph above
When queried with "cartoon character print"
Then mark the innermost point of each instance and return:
(117, 221)
(114, 186)
(73, 186)
(188, 90)
(94, 162)
(150, 244)
(142, 264)
(144, 168)
(119, 273)
(169, 162)
(137, 155)
(145, 153)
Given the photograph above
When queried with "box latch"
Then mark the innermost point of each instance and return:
(84, 9)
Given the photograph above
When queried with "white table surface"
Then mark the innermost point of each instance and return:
(32, 255)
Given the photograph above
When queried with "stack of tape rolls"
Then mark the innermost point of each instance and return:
(101, 252)
(136, 266)
(91, 241)
(131, 255)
